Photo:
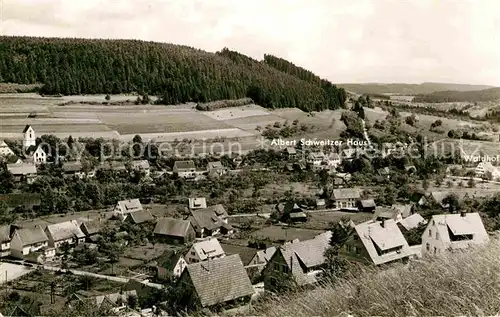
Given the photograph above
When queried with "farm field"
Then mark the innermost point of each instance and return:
(72, 115)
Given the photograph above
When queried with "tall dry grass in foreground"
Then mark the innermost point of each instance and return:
(466, 283)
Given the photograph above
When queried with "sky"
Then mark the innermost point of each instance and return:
(345, 41)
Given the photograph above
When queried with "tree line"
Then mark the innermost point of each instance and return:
(175, 73)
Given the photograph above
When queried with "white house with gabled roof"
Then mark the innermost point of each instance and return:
(29, 136)
(204, 250)
(453, 232)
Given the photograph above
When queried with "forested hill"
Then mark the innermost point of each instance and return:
(491, 94)
(334, 94)
(175, 73)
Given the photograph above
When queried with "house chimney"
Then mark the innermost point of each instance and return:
(382, 223)
(462, 214)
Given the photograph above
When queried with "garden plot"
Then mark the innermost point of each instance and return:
(12, 271)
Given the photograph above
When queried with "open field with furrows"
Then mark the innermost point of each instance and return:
(72, 115)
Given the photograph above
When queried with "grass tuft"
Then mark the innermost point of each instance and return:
(465, 283)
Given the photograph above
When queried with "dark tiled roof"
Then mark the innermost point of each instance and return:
(141, 216)
(172, 227)
(91, 227)
(246, 254)
(26, 128)
(209, 218)
(32, 235)
(184, 165)
(346, 193)
(220, 280)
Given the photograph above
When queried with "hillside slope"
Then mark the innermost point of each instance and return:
(464, 284)
(176, 73)
(460, 96)
(408, 89)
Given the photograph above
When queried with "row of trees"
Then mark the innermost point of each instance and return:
(175, 73)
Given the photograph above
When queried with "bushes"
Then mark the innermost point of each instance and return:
(214, 105)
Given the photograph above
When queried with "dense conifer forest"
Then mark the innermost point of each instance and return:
(175, 73)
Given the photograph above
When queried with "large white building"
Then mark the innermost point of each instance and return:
(483, 168)
(29, 136)
(453, 232)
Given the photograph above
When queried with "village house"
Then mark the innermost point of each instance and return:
(103, 302)
(139, 217)
(333, 160)
(349, 153)
(124, 207)
(65, 232)
(142, 166)
(453, 232)
(246, 253)
(377, 243)
(31, 243)
(290, 153)
(113, 166)
(174, 265)
(411, 222)
(174, 231)
(385, 213)
(262, 257)
(5, 150)
(345, 198)
(210, 221)
(71, 169)
(290, 211)
(197, 203)
(320, 203)
(6, 233)
(91, 229)
(216, 169)
(29, 137)
(204, 250)
(367, 205)
(486, 169)
(23, 172)
(216, 282)
(185, 169)
(299, 262)
(315, 159)
(406, 210)
(36, 155)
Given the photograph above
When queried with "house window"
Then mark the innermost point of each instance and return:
(428, 246)
(193, 253)
(433, 222)
(435, 250)
(437, 235)
(430, 233)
